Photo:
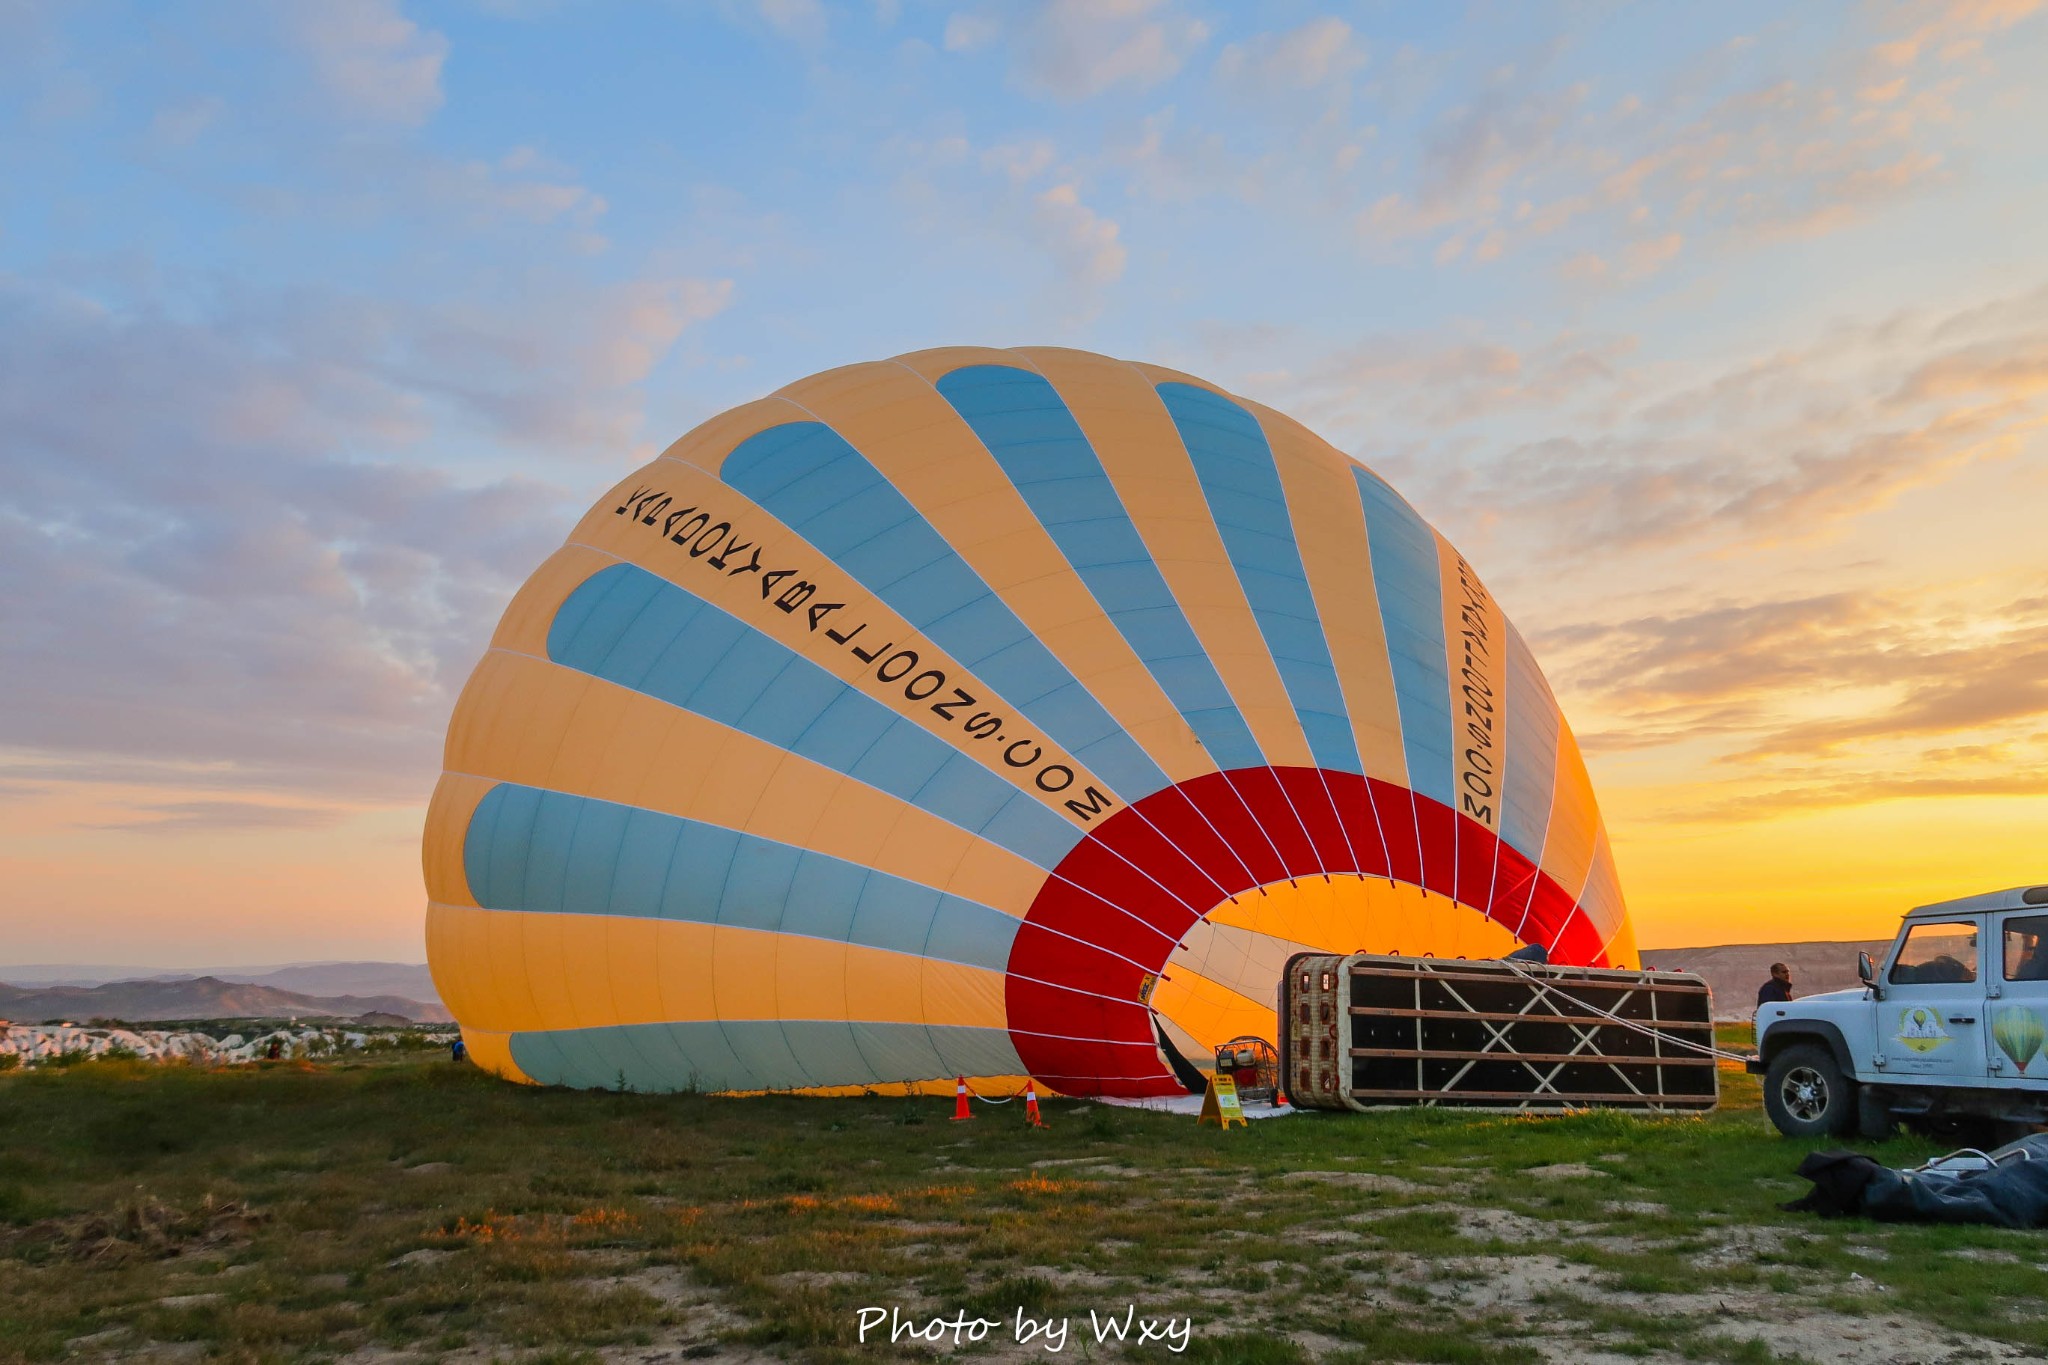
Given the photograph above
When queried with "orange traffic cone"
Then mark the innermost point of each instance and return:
(960, 1109)
(1031, 1115)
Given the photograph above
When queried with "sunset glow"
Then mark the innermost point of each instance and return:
(1716, 339)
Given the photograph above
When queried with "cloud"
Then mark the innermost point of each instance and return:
(967, 31)
(210, 817)
(1443, 380)
(1022, 192)
(232, 564)
(182, 123)
(1609, 450)
(1170, 162)
(371, 60)
(1320, 54)
(1801, 704)
(1737, 145)
(1072, 50)
(803, 21)
(1081, 240)
(1830, 697)
(1831, 788)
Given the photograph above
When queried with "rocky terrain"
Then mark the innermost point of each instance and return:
(202, 997)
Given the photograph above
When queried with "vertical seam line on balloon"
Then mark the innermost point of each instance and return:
(1152, 389)
(1081, 583)
(1272, 464)
(1400, 720)
(1550, 814)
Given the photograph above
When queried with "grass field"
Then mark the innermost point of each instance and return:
(405, 1208)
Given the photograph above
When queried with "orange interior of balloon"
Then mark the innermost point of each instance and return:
(1220, 982)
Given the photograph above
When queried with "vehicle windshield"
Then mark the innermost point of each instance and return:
(1935, 954)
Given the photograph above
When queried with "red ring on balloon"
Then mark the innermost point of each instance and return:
(1123, 898)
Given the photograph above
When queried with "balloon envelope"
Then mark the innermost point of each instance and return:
(987, 713)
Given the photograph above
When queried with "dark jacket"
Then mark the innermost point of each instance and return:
(1774, 992)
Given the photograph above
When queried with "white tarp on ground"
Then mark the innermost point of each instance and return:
(1191, 1105)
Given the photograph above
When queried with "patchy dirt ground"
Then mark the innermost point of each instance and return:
(413, 1212)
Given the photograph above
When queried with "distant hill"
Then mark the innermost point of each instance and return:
(204, 997)
(1734, 971)
(410, 980)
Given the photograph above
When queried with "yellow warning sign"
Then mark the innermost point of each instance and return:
(1219, 1103)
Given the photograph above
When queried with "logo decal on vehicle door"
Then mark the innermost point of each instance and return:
(2019, 1033)
(1920, 1028)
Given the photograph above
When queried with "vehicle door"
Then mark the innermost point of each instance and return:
(1930, 1024)
(2016, 1031)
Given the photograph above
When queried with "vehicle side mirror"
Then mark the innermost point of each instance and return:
(1866, 972)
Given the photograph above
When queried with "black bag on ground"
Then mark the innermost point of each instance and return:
(2012, 1192)
(1838, 1181)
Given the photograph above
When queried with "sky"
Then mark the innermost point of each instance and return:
(1716, 337)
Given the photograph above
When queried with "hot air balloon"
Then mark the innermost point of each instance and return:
(987, 713)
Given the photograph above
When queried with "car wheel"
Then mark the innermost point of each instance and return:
(1874, 1119)
(1806, 1094)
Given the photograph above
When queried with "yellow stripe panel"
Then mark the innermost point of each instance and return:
(524, 627)
(554, 728)
(740, 595)
(493, 1052)
(448, 814)
(1123, 418)
(707, 444)
(1475, 647)
(1329, 527)
(892, 414)
(1574, 818)
(1621, 948)
(594, 971)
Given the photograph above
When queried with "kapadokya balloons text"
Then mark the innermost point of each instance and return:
(987, 713)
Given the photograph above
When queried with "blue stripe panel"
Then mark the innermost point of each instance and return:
(1406, 573)
(826, 491)
(1532, 753)
(629, 627)
(546, 851)
(1235, 466)
(762, 1054)
(1026, 425)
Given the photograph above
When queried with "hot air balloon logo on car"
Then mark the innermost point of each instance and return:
(990, 714)
(2019, 1033)
(1921, 1028)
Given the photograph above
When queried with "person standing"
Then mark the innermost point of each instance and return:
(1778, 989)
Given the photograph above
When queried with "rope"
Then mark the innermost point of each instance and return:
(1637, 1025)
(1014, 1094)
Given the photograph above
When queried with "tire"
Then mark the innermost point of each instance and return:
(1874, 1121)
(1806, 1094)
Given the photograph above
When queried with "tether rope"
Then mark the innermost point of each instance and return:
(1635, 1024)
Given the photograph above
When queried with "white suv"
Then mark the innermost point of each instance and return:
(1948, 1034)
